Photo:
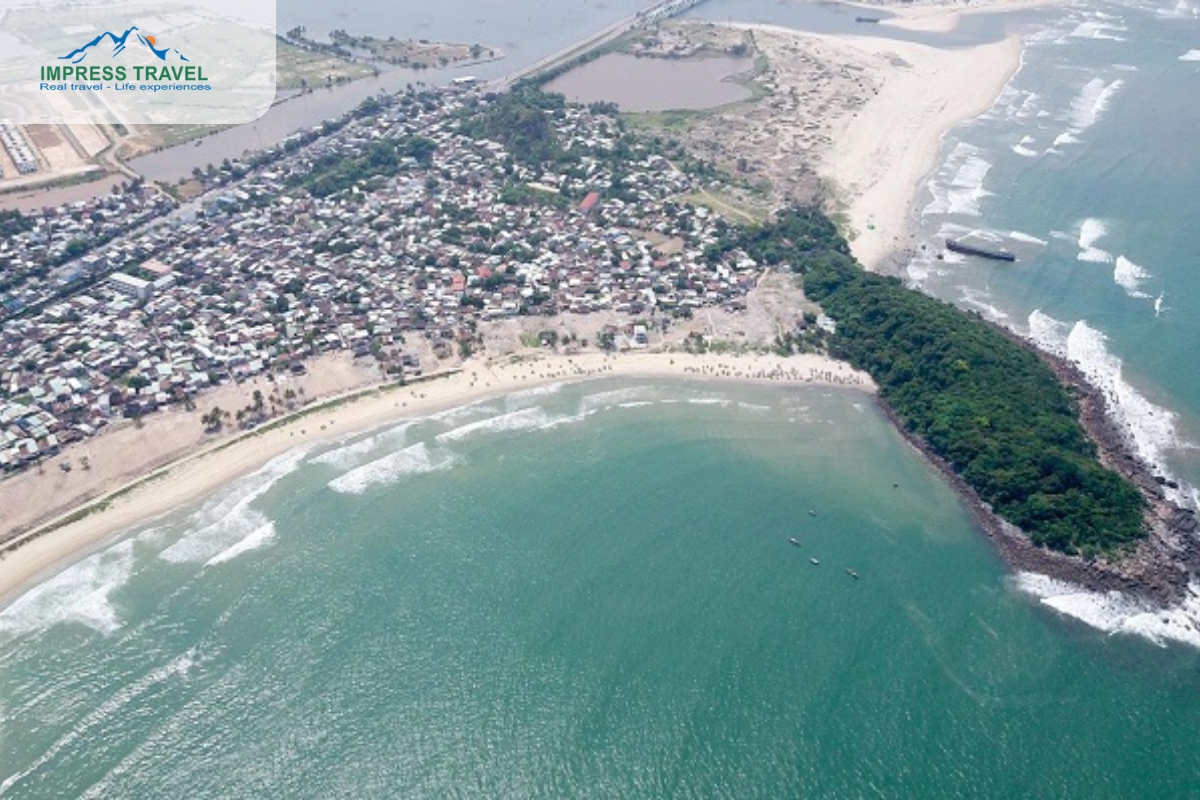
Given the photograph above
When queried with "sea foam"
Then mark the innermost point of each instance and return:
(228, 519)
(1129, 276)
(962, 192)
(978, 300)
(416, 459)
(1091, 103)
(1150, 429)
(1090, 232)
(526, 397)
(1117, 613)
(1190, 55)
(81, 593)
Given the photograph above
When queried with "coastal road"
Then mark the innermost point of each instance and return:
(658, 11)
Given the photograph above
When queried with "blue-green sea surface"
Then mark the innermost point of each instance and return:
(583, 591)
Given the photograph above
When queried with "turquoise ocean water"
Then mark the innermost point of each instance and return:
(1086, 168)
(590, 591)
(587, 591)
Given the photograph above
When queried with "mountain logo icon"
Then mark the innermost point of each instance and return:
(131, 41)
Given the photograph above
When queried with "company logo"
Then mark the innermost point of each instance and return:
(97, 62)
(119, 46)
(130, 46)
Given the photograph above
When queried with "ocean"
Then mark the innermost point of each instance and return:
(582, 590)
(589, 590)
(1085, 168)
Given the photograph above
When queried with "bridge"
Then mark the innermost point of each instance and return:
(659, 12)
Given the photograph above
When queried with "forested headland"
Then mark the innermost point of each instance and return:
(982, 402)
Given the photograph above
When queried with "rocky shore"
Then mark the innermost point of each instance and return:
(1157, 569)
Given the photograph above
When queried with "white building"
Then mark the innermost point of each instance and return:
(129, 285)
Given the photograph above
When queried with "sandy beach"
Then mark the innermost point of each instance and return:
(939, 17)
(36, 553)
(890, 104)
(855, 120)
(882, 153)
(874, 113)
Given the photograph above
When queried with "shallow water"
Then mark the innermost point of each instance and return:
(655, 84)
(587, 589)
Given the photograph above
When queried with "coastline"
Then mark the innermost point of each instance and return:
(874, 112)
(1158, 569)
(928, 92)
(33, 555)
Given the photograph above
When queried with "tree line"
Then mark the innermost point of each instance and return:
(987, 405)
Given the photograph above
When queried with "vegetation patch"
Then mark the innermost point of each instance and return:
(988, 406)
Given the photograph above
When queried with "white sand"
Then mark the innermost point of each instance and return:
(882, 154)
(939, 17)
(201, 473)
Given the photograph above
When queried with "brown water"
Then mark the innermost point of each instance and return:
(655, 84)
(282, 119)
(35, 199)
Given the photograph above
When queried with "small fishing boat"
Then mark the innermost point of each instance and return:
(812, 513)
(814, 561)
(852, 574)
(794, 541)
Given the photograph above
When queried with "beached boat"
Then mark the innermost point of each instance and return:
(955, 246)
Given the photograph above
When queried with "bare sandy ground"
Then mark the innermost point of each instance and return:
(869, 113)
(939, 17)
(124, 451)
(882, 153)
(852, 121)
(194, 476)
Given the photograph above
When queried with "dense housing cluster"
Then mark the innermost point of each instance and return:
(404, 219)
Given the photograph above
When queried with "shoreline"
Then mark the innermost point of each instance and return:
(34, 555)
(929, 92)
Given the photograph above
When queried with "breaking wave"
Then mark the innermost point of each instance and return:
(259, 538)
(1117, 613)
(1022, 148)
(1090, 232)
(1092, 102)
(1027, 238)
(1129, 276)
(95, 722)
(1098, 29)
(1150, 429)
(81, 593)
(352, 455)
(416, 459)
(523, 420)
(1190, 55)
(228, 519)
